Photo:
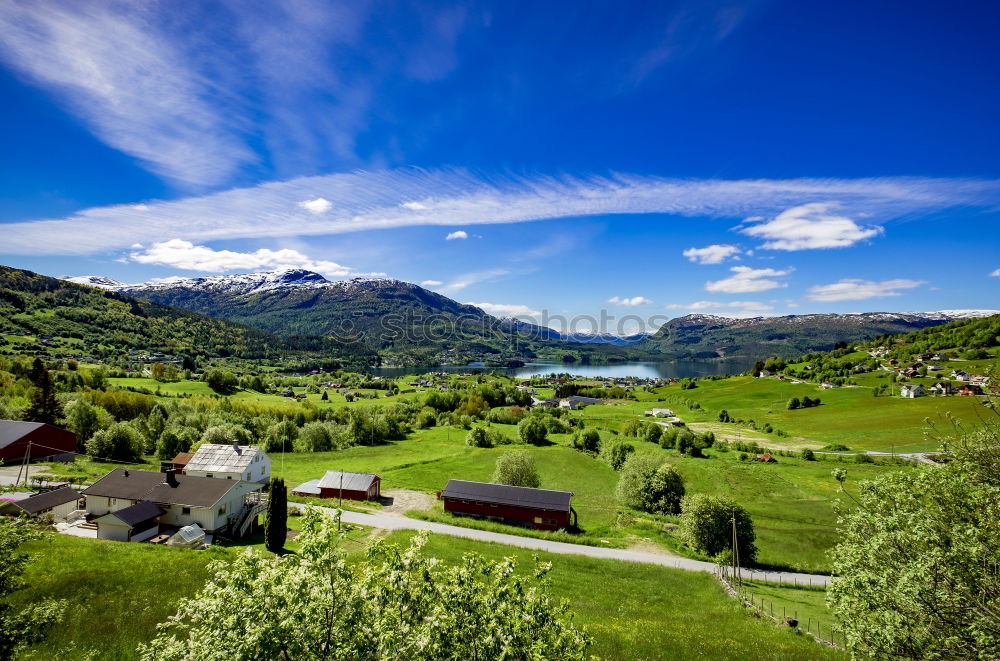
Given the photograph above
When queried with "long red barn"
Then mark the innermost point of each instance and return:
(541, 509)
(35, 438)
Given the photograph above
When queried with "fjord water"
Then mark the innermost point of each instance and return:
(680, 369)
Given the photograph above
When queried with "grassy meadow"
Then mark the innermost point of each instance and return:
(118, 592)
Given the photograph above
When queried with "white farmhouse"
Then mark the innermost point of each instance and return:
(660, 413)
(131, 505)
(230, 462)
(911, 390)
(578, 402)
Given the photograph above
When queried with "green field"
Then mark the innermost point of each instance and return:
(118, 592)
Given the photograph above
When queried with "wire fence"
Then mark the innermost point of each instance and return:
(823, 632)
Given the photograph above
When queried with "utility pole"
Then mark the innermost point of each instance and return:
(24, 465)
(736, 554)
(340, 502)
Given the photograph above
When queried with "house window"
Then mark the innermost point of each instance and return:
(222, 510)
(539, 519)
(229, 477)
(185, 510)
(209, 475)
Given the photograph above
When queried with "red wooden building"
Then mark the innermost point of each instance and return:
(356, 486)
(37, 439)
(541, 509)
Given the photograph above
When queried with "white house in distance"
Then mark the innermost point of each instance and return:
(578, 402)
(230, 462)
(660, 413)
(911, 390)
(130, 505)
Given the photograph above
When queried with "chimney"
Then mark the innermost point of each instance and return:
(236, 447)
(171, 478)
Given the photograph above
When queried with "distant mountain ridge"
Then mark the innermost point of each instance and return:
(405, 318)
(703, 336)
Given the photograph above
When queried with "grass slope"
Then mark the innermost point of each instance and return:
(118, 592)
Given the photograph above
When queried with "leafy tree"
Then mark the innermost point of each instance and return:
(119, 442)
(85, 420)
(478, 437)
(276, 523)
(794, 403)
(44, 405)
(918, 560)
(589, 440)
(315, 437)
(707, 526)
(724, 416)
(632, 429)
(650, 484)
(222, 381)
(808, 454)
(28, 624)
(615, 452)
(390, 604)
(281, 436)
(174, 440)
(516, 468)
(532, 430)
(651, 433)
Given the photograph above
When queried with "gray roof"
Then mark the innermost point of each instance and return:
(47, 500)
(138, 513)
(14, 430)
(352, 481)
(542, 499)
(311, 487)
(191, 490)
(223, 458)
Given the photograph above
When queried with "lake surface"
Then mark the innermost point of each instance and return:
(680, 369)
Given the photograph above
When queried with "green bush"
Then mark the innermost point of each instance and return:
(615, 452)
(516, 468)
(649, 484)
(531, 430)
(707, 526)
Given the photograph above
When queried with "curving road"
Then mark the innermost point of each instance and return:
(395, 522)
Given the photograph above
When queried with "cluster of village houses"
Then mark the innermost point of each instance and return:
(218, 491)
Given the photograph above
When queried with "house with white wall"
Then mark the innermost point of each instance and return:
(230, 462)
(176, 501)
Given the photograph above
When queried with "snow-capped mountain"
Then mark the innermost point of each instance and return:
(99, 281)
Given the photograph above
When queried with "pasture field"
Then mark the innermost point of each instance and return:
(792, 502)
(118, 592)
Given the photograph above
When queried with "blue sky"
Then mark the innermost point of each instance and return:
(735, 158)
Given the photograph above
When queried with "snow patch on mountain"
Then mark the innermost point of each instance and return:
(99, 281)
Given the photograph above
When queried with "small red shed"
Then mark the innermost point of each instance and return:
(356, 486)
(541, 509)
(37, 439)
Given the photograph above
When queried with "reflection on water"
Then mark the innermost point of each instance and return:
(680, 369)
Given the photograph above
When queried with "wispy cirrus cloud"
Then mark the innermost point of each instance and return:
(811, 226)
(468, 279)
(746, 279)
(854, 289)
(431, 283)
(363, 201)
(181, 254)
(733, 309)
(995, 274)
(634, 301)
(713, 254)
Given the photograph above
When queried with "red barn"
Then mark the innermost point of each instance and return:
(38, 439)
(356, 486)
(541, 509)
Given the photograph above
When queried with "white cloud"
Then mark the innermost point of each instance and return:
(995, 274)
(132, 85)
(414, 206)
(810, 226)
(185, 255)
(468, 279)
(364, 201)
(852, 289)
(745, 306)
(460, 234)
(319, 205)
(431, 283)
(713, 254)
(507, 310)
(631, 302)
(746, 279)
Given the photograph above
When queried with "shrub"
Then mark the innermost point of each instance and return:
(649, 484)
(707, 526)
(532, 430)
(808, 455)
(651, 433)
(615, 452)
(588, 440)
(794, 403)
(478, 437)
(222, 382)
(516, 468)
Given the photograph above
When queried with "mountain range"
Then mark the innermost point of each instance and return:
(395, 317)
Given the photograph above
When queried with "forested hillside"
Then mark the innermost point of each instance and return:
(54, 313)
